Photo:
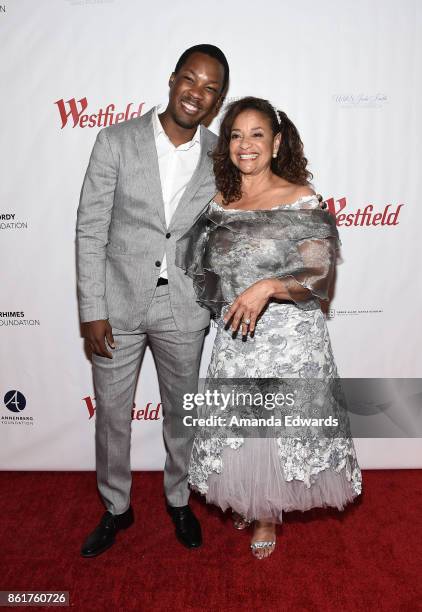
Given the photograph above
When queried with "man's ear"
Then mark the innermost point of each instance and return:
(219, 104)
(171, 79)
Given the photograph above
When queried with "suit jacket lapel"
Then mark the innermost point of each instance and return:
(148, 160)
(199, 175)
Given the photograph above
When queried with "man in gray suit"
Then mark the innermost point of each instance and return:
(147, 181)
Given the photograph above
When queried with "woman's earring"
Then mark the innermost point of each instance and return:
(275, 154)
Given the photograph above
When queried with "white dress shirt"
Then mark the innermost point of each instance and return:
(176, 164)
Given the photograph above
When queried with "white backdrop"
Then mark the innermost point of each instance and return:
(347, 73)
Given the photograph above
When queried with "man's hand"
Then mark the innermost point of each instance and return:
(322, 202)
(95, 332)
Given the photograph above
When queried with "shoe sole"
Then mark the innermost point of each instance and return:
(98, 552)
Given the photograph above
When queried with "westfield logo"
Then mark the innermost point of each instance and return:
(150, 412)
(363, 217)
(74, 112)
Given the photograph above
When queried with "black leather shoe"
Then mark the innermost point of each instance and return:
(104, 534)
(188, 529)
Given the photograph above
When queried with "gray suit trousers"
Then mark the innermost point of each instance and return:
(177, 358)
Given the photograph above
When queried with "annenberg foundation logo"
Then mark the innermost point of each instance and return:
(366, 216)
(15, 402)
(16, 318)
(150, 412)
(75, 113)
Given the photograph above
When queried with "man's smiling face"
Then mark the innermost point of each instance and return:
(195, 90)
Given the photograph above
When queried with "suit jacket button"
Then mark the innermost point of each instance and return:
(158, 264)
(168, 235)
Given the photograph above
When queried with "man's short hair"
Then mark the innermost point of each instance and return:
(210, 50)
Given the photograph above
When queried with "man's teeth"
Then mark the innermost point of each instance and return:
(190, 107)
(249, 156)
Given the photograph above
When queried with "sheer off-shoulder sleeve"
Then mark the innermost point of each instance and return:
(225, 253)
(191, 256)
(313, 269)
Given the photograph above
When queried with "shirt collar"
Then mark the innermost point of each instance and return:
(160, 133)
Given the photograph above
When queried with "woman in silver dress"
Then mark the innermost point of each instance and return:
(261, 257)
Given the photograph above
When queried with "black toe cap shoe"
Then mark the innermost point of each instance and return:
(188, 529)
(104, 534)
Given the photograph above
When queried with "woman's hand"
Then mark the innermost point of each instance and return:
(248, 305)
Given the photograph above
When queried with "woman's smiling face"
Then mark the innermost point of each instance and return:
(252, 142)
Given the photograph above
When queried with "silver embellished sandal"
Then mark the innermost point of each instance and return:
(263, 549)
(239, 522)
(264, 545)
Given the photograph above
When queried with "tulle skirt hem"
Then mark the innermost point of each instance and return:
(252, 483)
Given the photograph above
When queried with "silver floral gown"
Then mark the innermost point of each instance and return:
(226, 251)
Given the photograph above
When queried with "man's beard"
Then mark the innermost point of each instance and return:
(185, 123)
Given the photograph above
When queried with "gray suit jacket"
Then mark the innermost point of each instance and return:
(121, 233)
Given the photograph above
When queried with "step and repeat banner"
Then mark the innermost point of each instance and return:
(347, 73)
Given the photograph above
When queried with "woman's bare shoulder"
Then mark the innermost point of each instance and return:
(288, 191)
(301, 191)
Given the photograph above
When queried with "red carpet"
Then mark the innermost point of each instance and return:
(366, 558)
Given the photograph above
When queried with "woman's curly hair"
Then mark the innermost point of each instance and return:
(289, 164)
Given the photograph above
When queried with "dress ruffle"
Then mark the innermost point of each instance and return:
(262, 491)
(296, 245)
